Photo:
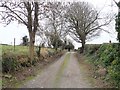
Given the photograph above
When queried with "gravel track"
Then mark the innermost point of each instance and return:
(64, 73)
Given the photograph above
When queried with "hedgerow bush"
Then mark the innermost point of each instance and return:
(18, 59)
(91, 49)
(12, 62)
(114, 72)
(107, 56)
(9, 63)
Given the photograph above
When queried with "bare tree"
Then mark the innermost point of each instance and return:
(26, 13)
(84, 22)
(55, 22)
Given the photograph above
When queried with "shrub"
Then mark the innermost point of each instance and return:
(9, 64)
(91, 49)
(12, 62)
(107, 56)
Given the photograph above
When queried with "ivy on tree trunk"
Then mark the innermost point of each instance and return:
(118, 27)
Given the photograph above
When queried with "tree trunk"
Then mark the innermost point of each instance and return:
(31, 46)
(83, 47)
(56, 45)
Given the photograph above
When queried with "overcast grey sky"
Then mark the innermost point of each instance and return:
(15, 30)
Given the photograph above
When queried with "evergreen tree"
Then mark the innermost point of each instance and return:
(25, 40)
(118, 23)
(117, 27)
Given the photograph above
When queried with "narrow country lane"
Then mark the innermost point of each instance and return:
(64, 73)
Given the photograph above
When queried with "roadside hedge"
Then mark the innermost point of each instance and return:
(106, 55)
(18, 59)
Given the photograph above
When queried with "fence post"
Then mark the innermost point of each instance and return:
(14, 44)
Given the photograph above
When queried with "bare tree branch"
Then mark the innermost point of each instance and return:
(15, 14)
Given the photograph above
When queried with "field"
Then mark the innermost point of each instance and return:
(18, 49)
(22, 50)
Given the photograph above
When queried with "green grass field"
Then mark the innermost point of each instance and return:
(18, 49)
(21, 50)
